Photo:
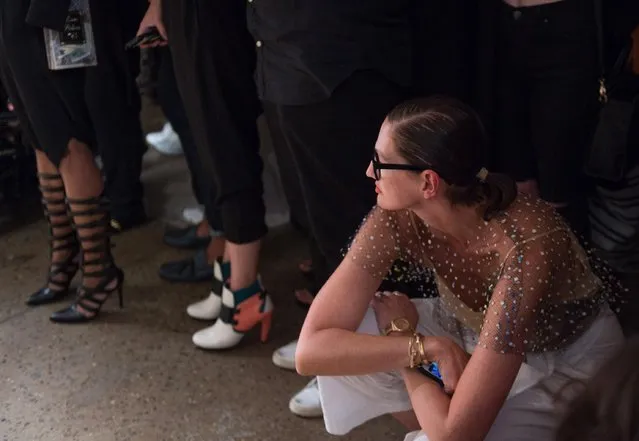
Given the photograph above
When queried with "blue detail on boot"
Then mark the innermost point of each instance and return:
(245, 293)
(226, 270)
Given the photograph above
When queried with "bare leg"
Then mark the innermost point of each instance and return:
(304, 296)
(408, 420)
(203, 229)
(244, 260)
(81, 176)
(306, 266)
(216, 248)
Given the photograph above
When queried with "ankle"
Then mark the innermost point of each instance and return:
(203, 229)
(215, 249)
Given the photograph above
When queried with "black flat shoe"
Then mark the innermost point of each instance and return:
(190, 270)
(185, 238)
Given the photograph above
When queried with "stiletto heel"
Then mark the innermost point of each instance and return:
(121, 293)
(91, 217)
(60, 273)
(267, 319)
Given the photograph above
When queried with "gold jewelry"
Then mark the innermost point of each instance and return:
(420, 347)
(398, 325)
(415, 351)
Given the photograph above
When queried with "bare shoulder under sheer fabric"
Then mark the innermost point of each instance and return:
(525, 285)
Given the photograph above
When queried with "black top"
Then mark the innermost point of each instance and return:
(306, 48)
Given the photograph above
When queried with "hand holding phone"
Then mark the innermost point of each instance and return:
(431, 370)
(152, 22)
(150, 36)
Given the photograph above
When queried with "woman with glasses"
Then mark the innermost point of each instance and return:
(520, 310)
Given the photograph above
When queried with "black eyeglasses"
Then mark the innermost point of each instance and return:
(379, 166)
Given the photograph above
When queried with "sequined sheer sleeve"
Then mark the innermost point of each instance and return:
(532, 307)
(376, 245)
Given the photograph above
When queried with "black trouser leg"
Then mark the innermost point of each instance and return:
(214, 59)
(332, 143)
(549, 75)
(114, 104)
(288, 172)
(173, 108)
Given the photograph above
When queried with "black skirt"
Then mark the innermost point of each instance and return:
(50, 104)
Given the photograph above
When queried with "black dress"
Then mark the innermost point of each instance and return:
(49, 104)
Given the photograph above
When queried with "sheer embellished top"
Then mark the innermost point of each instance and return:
(525, 285)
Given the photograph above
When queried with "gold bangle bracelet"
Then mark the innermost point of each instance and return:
(422, 351)
(415, 351)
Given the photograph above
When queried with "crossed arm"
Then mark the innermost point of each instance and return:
(329, 346)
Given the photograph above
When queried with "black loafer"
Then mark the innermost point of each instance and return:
(193, 269)
(185, 238)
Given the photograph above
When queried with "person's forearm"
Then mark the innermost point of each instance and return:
(337, 352)
(430, 403)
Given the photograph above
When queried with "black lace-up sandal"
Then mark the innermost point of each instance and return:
(101, 277)
(62, 241)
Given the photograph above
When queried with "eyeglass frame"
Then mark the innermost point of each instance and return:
(379, 166)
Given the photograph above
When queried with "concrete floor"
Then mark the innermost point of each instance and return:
(134, 374)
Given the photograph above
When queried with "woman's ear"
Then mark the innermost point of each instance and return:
(430, 183)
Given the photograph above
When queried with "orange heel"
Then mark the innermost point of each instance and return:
(267, 320)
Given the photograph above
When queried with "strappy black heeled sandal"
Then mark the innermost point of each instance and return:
(90, 217)
(60, 273)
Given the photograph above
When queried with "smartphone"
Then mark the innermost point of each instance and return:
(150, 36)
(431, 370)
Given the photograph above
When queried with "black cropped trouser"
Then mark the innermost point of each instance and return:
(214, 60)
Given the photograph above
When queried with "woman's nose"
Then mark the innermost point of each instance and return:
(369, 171)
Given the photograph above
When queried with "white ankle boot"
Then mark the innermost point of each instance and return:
(235, 321)
(209, 308)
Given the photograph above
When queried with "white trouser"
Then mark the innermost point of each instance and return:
(529, 413)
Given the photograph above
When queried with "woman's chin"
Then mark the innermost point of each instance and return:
(382, 202)
(390, 204)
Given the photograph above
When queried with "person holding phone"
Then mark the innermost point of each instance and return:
(520, 309)
(214, 61)
(113, 101)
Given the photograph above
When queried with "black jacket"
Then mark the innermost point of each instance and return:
(50, 14)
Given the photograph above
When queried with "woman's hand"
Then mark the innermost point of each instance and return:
(450, 358)
(153, 18)
(389, 306)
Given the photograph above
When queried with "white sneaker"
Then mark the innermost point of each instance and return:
(284, 357)
(193, 215)
(165, 141)
(307, 403)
